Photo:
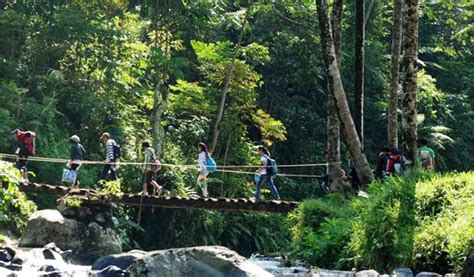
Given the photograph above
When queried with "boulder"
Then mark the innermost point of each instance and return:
(402, 272)
(195, 261)
(52, 252)
(122, 261)
(87, 240)
(367, 273)
(99, 242)
(5, 256)
(14, 267)
(110, 271)
(49, 268)
(47, 226)
(18, 260)
(469, 266)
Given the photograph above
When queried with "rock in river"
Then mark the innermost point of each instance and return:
(87, 240)
(209, 261)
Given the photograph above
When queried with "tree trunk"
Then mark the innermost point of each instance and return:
(160, 102)
(161, 91)
(410, 79)
(395, 74)
(216, 129)
(334, 78)
(333, 125)
(359, 70)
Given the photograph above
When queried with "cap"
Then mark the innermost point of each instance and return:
(105, 135)
(75, 139)
(15, 131)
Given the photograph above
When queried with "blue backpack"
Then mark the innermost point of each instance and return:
(211, 164)
(272, 167)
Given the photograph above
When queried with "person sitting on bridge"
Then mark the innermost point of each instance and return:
(203, 172)
(76, 156)
(151, 166)
(110, 158)
(266, 173)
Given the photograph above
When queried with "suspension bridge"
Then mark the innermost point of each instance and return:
(223, 204)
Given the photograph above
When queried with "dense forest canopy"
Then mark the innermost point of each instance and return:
(157, 70)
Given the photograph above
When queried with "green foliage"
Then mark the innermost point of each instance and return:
(245, 233)
(445, 208)
(423, 221)
(321, 228)
(15, 208)
(112, 188)
(72, 201)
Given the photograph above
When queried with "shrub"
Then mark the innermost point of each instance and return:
(321, 229)
(422, 220)
(445, 210)
(15, 208)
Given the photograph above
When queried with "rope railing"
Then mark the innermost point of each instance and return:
(223, 168)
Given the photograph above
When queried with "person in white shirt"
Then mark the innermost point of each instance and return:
(265, 173)
(203, 172)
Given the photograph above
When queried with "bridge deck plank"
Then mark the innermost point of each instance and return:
(227, 204)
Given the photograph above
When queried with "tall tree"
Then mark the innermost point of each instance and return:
(359, 69)
(410, 87)
(225, 87)
(395, 74)
(161, 90)
(335, 84)
(333, 125)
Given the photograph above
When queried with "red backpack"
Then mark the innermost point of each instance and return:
(28, 139)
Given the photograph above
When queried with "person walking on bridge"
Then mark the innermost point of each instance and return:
(265, 172)
(25, 141)
(151, 166)
(76, 156)
(110, 158)
(203, 155)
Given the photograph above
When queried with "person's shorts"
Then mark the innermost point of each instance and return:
(21, 164)
(74, 167)
(148, 177)
(203, 172)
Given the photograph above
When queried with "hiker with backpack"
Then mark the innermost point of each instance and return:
(396, 163)
(426, 155)
(25, 147)
(203, 156)
(151, 166)
(112, 153)
(384, 156)
(266, 172)
(77, 153)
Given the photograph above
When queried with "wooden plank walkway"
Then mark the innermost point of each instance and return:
(223, 204)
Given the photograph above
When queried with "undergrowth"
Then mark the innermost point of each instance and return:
(422, 220)
(15, 208)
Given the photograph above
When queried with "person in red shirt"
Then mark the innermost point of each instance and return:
(25, 141)
(396, 163)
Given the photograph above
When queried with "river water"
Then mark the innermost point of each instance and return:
(36, 265)
(273, 264)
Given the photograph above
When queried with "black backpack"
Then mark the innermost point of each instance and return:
(117, 151)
